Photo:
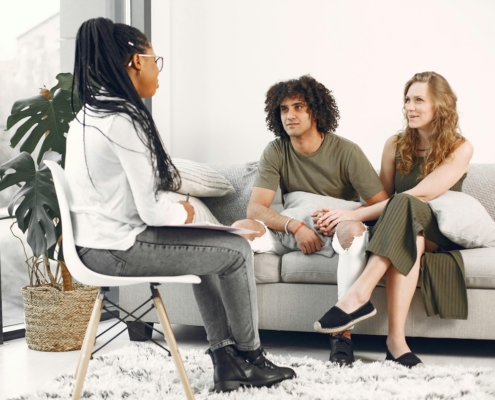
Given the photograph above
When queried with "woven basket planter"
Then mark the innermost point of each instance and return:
(57, 320)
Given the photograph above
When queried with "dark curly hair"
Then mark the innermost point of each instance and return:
(319, 99)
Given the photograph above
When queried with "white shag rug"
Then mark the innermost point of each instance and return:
(144, 371)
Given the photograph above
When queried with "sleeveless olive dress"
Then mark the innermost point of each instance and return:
(443, 286)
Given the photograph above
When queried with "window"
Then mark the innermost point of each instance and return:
(29, 59)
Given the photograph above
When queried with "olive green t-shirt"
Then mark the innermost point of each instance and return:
(338, 169)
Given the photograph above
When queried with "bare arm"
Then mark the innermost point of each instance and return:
(432, 186)
(326, 220)
(387, 176)
(445, 175)
(387, 168)
(259, 208)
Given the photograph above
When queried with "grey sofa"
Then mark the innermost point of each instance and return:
(295, 290)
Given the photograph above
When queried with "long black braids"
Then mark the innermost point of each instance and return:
(103, 49)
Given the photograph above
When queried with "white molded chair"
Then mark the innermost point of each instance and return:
(86, 276)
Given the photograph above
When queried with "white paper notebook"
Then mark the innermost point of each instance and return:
(215, 227)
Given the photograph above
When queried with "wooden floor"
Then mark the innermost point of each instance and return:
(23, 370)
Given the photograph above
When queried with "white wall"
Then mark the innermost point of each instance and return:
(223, 55)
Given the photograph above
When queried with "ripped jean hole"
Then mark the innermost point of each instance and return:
(356, 245)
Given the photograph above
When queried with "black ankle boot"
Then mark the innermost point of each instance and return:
(341, 350)
(257, 357)
(232, 370)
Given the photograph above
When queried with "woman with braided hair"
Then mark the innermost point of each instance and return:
(118, 172)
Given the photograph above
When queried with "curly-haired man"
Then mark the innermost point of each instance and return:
(307, 156)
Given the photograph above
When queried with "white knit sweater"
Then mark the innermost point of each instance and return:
(118, 202)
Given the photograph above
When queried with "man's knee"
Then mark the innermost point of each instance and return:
(252, 225)
(347, 231)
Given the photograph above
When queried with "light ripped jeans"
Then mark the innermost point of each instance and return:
(226, 296)
(351, 260)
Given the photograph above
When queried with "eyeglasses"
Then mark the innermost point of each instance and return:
(158, 60)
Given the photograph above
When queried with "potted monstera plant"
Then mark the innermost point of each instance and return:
(57, 310)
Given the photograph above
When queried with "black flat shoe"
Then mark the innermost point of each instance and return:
(341, 350)
(408, 360)
(336, 320)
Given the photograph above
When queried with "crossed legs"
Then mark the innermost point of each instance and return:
(399, 288)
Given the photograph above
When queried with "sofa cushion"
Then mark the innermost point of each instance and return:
(232, 207)
(201, 180)
(479, 267)
(480, 183)
(309, 268)
(463, 219)
(267, 268)
(312, 202)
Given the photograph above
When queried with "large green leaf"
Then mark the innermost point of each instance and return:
(49, 117)
(36, 200)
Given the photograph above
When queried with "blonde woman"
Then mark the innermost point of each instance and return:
(419, 164)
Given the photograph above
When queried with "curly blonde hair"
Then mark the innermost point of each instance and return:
(445, 134)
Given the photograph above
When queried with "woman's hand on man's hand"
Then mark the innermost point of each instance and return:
(326, 220)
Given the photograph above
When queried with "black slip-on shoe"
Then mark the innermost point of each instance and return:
(408, 360)
(341, 350)
(336, 320)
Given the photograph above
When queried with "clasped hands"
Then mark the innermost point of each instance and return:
(326, 220)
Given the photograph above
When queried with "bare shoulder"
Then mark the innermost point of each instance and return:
(390, 146)
(462, 154)
(465, 149)
(392, 141)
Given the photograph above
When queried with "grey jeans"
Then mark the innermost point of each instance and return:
(226, 296)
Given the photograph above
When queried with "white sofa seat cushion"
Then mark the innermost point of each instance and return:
(309, 268)
(267, 268)
(314, 268)
(479, 268)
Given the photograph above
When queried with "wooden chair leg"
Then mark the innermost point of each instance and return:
(87, 347)
(172, 344)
